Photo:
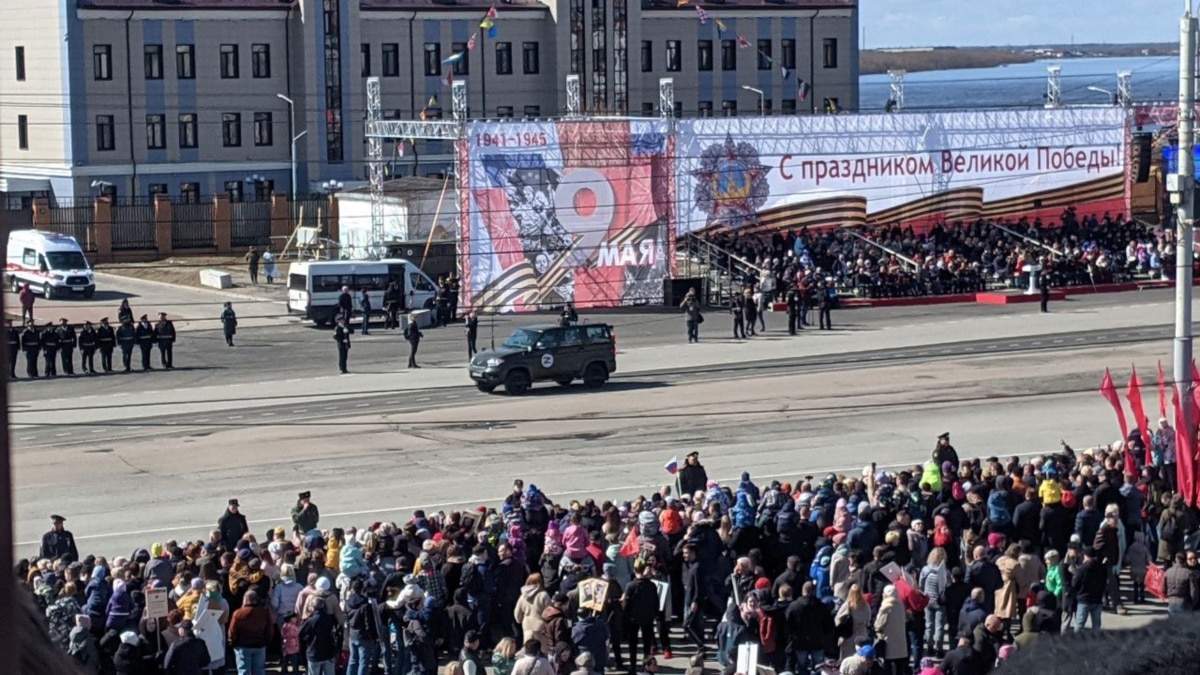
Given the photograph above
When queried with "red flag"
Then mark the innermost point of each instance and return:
(1185, 468)
(631, 545)
(1134, 395)
(491, 14)
(1162, 392)
(1109, 391)
(742, 42)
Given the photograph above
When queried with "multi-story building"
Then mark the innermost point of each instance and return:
(191, 98)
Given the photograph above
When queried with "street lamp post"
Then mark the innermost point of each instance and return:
(1109, 94)
(295, 137)
(761, 110)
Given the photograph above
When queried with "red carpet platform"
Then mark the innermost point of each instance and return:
(1014, 297)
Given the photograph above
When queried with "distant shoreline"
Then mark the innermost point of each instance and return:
(878, 62)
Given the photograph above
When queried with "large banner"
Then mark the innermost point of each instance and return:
(566, 211)
(782, 173)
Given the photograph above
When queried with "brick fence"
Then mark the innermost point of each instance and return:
(125, 231)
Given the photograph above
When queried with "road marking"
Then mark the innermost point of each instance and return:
(67, 433)
(27, 438)
(295, 380)
(202, 420)
(98, 431)
(1058, 342)
(300, 410)
(361, 405)
(454, 396)
(235, 417)
(1037, 343)
(422, 400)
(268, 414)
(330, 407)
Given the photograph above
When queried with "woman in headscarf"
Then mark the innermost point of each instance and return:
(889, 627)
(98, 592)
(120, 608)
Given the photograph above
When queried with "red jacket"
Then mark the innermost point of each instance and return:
(251, 627)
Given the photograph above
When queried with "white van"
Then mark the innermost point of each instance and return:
(51, 263)
(314, 287)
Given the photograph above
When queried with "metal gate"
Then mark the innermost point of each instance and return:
(133, 225)
(250, 223)
(192, 225)
(76, 218)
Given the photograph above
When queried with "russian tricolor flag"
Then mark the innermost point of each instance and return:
(672, 466)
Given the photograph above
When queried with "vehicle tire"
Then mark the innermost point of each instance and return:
(564, 381)
(47, 291)
(516, 383)
(14, 284)
(87, 294)
(595, 375)
(485, 388)
(321, 323)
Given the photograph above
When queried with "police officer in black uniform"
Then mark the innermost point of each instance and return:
(454, 288)
(825, 305)
(391, 305)
(145, 340)
(50, 349)
(66, 346)
(793, 311)
(412, 333)
(472, 333)
(736, 307)
(364, 306)
(106, 341)
(441, 301)
(31, 344)
(341, 335)
(14, 349)
(58, 542)
(164, 334)
(88, 341)
(232, 525)
(126, 339)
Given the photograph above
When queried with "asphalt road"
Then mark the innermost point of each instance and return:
(278, 347)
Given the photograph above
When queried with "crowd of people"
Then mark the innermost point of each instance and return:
(53, 345)
(955, 258)
(948, 567)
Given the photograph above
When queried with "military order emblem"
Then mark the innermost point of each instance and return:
(731, 183)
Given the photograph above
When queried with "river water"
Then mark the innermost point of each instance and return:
(1023, 85)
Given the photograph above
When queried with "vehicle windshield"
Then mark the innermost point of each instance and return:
(66, 260)
(522, 338)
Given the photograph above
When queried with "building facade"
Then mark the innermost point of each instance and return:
(192, 98)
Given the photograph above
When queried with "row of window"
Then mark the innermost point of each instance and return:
(188, 125)
(729, 55)
(185, 62)
(390, 61)
(729, 107)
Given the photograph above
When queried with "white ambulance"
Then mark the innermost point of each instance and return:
(52, 264)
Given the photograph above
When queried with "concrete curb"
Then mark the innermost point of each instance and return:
(117, 278)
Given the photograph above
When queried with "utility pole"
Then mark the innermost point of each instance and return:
(1182, 188)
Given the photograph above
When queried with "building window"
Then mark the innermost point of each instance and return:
(674, 56)
(233, 188)
(20, 62)
(391, 59)
(764, 54)
(704, 53)
(620, 54)
(788, 106)
(189, 193)
(704, 109)
(831, 106)
(185, 62)
(829, 52)
(787, 53)
(157, 189)
(106, 138)
(647, 110)
(433, 59)
(529, 58)
(366, 59)
(264, 130)
(102, 62)
(647, 56)
(260, 61)
(600, 54)
(463, 65)
(765, 108)
(156, 132)
(677, 110)
(533, 111)
(577, 36)
(504, 58)
(153, 60)
(229, 62)
(504, 111)
(22, 132)
(728, 54)
(231, 130)
(729, 108)
(335, 143)
(187, 131)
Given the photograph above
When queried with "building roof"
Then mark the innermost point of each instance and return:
(455, 5)
(409, 186)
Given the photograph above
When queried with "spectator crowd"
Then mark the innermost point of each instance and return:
(947, 567)
(954, 258)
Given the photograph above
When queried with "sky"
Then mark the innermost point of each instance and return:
(920, 23)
